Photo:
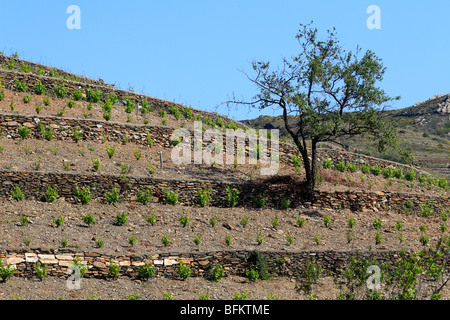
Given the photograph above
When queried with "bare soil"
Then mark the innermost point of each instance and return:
(44, 234)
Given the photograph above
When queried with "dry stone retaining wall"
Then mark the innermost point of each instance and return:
(33, 185)
(286, 263)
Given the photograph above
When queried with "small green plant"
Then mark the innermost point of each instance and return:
(96, 164)
(290, 238)
(93, 96)
(387, 172)
(232, 196)
(351, 167)
(150, 141)
(24, 132)
(39, 88)
(144, 197)
(285, 203)
(184, 220)
(213, 220)
(88, 219)
(377, 224)
(112, 196)
(350, 235)
(166, 240)
(100, 242)
(240, 296)
(71, 104)
(351, 222)
(375, 170)
(114, 269)
(150, 169)
(11, 64)
(167, 296)
(308, 280)
(25, 68)
(137, 153)
(51, 194)
(21, 86)
(378, 238)
(64, 242)
(37, 164)
(133, 297)
(132, 240)
(6, 271)
(259, 238)
(409, 204)
(341, 166)
(252, 275)
(2, 95)
(327, 220)
(17, 194)
(147, 271)
(47, 133)
(24, 220)
(46, 101)
(275, 221)
(40, 270)
(27, 99)
(327, 163)
(83, 194)
(215, 272)
(121, 218)
(76, 95)
(300, 221)
(426, 209)
(60, 91)
(171, 197)
(410, 175)
(228, 239)
(260, 201)
(244, 221)
(365, 168)
(184, 271)
(129, 105)
(151, 219)
(107, 115)
(197, 239)
(204, 296)
(296, 161)
(58, 221)
(423, 238)
(38, 108)
(77, 134)
(204, 195)
(317, 239)
(398, 172)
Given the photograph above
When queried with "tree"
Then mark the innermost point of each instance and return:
(325, 94)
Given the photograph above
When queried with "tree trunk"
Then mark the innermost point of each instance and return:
(310, 170)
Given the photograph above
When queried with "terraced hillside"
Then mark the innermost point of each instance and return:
(82, 183)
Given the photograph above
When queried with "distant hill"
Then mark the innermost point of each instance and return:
(425, 127)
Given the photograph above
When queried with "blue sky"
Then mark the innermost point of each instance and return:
(191, 51)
